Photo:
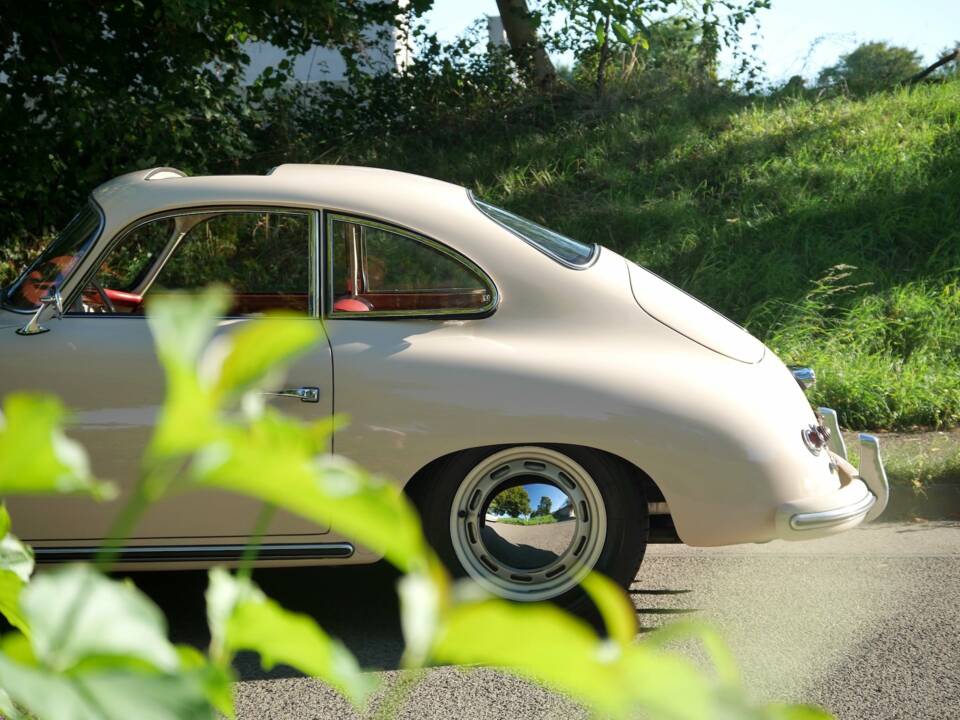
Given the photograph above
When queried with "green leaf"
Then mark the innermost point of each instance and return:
(795, 712)
(564, 653)
(717, 650)
(276, 460)
(619, 615)
(182, 325)
(52, 462)
(216, 680)
(599, 33)
(7, 709)
(254, 352)
(104, 694)
(98, 651)
(668, 685)
(75, 613)
(241, 617)
(623, 35)
(424, 596)
(16, 566)
(539, 642)
(10, 588)
(15, 557)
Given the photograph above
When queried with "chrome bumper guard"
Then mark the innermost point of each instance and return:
(862, 499)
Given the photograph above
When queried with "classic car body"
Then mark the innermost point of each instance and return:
(586, 362)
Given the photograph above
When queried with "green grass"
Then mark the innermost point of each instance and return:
(539, 520)
(751, 206)
(916, 460)
(830, 229)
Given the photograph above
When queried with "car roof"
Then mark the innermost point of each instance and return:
(394, 196)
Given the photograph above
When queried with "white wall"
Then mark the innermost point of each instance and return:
(379, 55)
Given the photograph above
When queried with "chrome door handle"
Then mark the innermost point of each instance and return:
(304, 394)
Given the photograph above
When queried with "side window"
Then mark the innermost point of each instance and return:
(375, 269)
(262, 256)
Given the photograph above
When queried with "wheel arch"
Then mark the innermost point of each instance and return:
(419, 483)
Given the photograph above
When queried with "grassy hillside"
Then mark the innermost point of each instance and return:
(830, 229)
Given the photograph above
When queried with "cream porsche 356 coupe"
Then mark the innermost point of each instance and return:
(550, 406)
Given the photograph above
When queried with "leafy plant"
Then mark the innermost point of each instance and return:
(88, 647)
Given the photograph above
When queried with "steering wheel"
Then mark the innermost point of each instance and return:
(107, 303)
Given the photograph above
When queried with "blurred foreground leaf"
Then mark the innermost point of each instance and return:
(99, 651)
(36, 457)
(7, 709)
(277, 460)
(546, 645)
(250, 356)
(241, 617)
(795, 712)
(619, 615)
(182, 327)
(16, 566)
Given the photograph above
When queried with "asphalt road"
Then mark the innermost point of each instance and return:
(866, 624)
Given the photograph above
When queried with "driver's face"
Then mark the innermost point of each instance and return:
(39, 284)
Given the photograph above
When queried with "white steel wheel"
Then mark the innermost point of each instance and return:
(531, 552)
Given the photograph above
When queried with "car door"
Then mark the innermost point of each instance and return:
(99, 358)
(398, 305)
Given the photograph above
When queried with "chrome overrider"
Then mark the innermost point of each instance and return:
(862, 497)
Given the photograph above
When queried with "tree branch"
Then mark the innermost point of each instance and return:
(949, 57)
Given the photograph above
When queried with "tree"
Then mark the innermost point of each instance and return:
(544, 507)
(513, 501)
(871, 67)
(525, 44)
(90, 90)
(596, 30)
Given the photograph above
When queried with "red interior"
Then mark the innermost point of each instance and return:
(121, 299)
(425, 300)
(127, 303)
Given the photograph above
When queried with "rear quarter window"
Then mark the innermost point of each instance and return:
(561, 248)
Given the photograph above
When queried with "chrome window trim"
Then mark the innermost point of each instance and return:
(552, 255)
(314, 301)
(314, 283)
(67, 280)
(330, 216)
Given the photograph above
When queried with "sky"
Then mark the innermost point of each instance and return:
(797, 37)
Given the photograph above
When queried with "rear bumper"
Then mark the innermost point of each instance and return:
(862, 496)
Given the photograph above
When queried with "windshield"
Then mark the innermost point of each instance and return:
(557, 246)
(54, 265)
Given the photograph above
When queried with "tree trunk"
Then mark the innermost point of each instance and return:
(528, 51)
(604, 58)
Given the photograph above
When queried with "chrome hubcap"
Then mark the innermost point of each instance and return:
(528, 523)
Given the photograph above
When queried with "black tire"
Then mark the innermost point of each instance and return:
(627, 521)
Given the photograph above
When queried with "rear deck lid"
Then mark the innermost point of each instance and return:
(690, 317)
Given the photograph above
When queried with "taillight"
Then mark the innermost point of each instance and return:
(815, 437)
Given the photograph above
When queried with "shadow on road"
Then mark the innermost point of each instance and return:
(358, 605)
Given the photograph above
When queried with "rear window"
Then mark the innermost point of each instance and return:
(559, 247)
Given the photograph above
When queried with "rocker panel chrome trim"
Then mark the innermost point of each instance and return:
(198, 553)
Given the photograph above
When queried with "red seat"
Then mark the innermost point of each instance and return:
(352, 304)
